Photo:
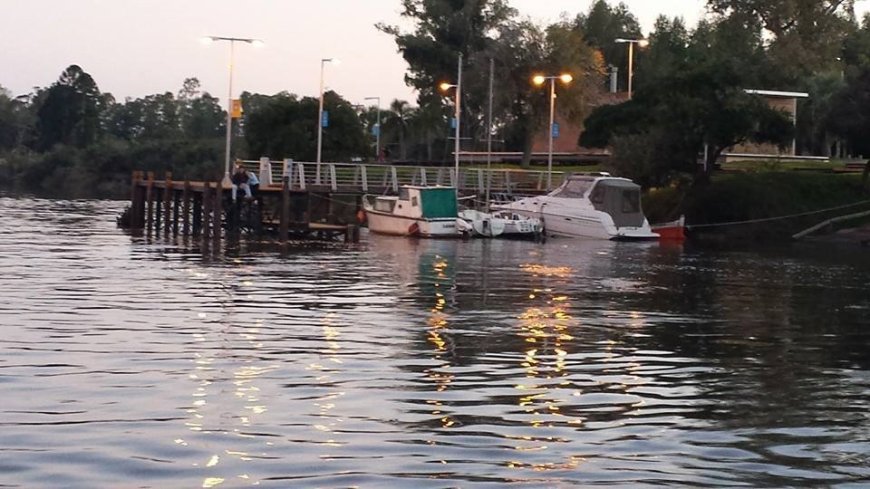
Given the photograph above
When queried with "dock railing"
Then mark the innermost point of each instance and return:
(383, 178)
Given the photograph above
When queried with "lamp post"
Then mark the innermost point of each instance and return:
(539, 80)
(232, 40)
(378, 131)
(631, 42)
(457, 112)
(320, 117)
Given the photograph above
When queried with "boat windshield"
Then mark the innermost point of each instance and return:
(574, 188)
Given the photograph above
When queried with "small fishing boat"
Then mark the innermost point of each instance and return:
(426, 212)
(589, 206)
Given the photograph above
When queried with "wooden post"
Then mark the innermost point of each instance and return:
(167, 201)
(207, 202)
(283, 232)
(197, 213)
(217, 211)
(149, 199)
(137, 204)
(185, 208)
(176, 210)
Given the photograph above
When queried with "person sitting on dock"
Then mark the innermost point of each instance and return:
(253, 183)
(240, 180)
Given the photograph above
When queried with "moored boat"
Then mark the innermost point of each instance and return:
(428, 212)
(672, 230)
(589, 206)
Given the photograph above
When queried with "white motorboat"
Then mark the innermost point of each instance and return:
(590, 206)
(501, 224)
(428, 212)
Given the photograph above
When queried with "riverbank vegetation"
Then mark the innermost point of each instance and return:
(71, 139)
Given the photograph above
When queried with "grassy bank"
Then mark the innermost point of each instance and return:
(777, 203)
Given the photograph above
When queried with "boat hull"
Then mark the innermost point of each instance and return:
(383, 223)
(589, 224)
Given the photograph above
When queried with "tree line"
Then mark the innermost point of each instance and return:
(688, 89)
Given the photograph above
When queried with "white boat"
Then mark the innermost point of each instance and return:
(428, 212)
(501, 224)
(588, 206)
(482, 224)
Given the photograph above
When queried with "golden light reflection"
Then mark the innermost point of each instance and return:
(438, 323)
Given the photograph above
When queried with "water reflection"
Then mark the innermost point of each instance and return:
(423, 363)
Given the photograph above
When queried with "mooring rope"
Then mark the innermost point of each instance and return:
(767, 219)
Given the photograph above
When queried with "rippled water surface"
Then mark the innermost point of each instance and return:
(136, 362)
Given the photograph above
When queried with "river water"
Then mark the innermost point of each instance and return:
(146, 362)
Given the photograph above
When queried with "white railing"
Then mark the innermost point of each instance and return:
(379, 178)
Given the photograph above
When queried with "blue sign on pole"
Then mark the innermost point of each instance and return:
(376, 129)
(453, 123)
(555, 130)
(324, 119)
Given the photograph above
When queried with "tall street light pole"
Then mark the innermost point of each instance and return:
(378, 130)
(489, 133)
(457, 113)
(631, 42)
(539, 80)
(232, 40)
(320, 118)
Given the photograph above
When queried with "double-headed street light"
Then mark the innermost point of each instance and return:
(631, 42)
(232, 41)
(377, 129)
(457, 112)
(539, 80)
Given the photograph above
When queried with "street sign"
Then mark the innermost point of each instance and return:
(453, 123)
(376, 129)
(555, 130)
(324, 119)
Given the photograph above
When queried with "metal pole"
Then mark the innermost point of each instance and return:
(552, 112)
(630, 66)
(458, 112)
(226, 180)
(378, 134)
(489, 134)
(320, 123)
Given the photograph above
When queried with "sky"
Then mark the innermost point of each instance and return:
(134, 48)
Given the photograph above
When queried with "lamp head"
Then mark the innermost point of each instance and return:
(444, 86)
(257, 43)
(643, 43)
(206, 39)
(539, 79)
(566, 78)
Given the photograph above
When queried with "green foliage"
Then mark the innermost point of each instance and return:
(602, 25)
(282, 126)
(70, 111)
(680, 114)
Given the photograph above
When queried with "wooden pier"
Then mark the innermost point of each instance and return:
(206, 210)
(303, 200)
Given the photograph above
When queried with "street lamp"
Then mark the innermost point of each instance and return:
(378, 131)
(457, 111)
(320, 116)
(232, 40)
(631, 42)
(539, 80)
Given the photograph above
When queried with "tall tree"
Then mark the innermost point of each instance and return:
(678, 116)
(15, 120)
(70, 111)
(806, 36)
(602, 25)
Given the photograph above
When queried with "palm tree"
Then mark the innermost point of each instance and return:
(397, 119)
